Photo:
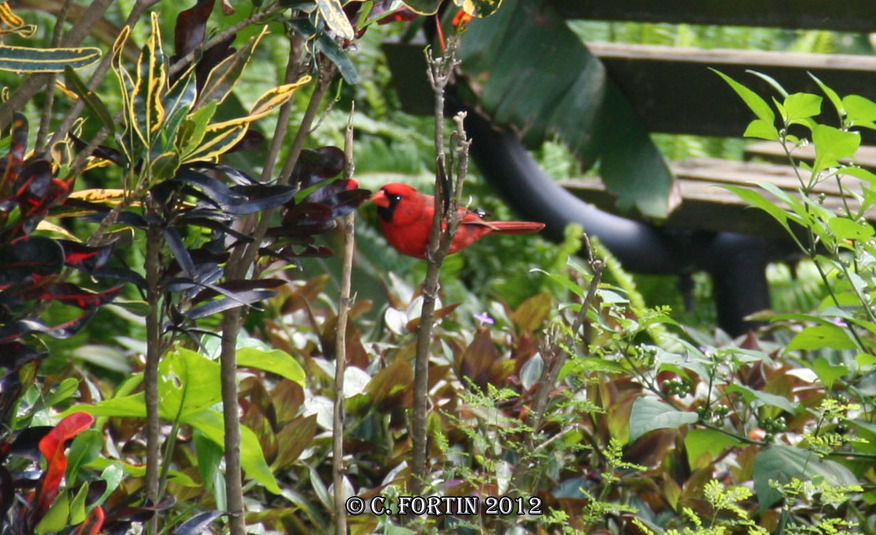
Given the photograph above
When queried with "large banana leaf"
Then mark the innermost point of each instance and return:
(526, 69)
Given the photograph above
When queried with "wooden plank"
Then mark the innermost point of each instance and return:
(772, 151)
(673, 90)
(708, 206)
(846, 15)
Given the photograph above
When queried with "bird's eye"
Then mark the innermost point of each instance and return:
(395, 197)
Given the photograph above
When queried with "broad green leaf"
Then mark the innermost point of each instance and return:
(760, 129)
(833, 144)
(65, 390)
(755, 103)
(530, 72)
(860, 111)
(758, 200)
(831, 95)
(133, 406)
(758, 398)
(827, 372)
(56, 518)
(846, 229)
(210, 422)
(85, 448)
(782, 463)
(23, 59)
(113, 475)
(799, 106)
(274, 361)
(335, 18)
(78, 512)
(188, 383)
(699, 442)
(649, 414)
(821, 336)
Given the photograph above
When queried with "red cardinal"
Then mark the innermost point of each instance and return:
(406, 217)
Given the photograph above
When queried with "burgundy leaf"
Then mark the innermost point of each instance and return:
(73, 295)
(80, 256)
(29, 258)
(191, 27)
(15, 330)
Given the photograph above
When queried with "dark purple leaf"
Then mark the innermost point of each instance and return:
(70, 294)
(15, 355)
(28, 258)
(121, 274)
(262, 197)
(7, 491)
(27, 442)
(227, 303)
(198, 523)
(82, 257)
(101, 151)
(14, 330)
(191, 27)
(180, 253)
(252, 139)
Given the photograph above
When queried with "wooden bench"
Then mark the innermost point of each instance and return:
(706, 205)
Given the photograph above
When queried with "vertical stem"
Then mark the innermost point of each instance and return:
(341, 345)
(150, 374)
(439, 72)
(231, 323)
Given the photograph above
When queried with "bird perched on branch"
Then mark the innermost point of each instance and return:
(406, 216)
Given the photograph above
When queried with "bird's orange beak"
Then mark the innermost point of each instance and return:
(380, 199)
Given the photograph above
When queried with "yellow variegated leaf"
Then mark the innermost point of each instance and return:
(25, 59)
(479, 8)
(48, 226)
(151, 83)
(220, 137)
(223, 76)
(218, 142)
(335, 18)
(99, 195)
(16, 24)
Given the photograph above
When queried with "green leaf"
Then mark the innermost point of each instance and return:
(56, 518)
(78, 512)
(274, 361)
(820, 336)
(846, 229)
(113, 475)
(337, 55)
(649, 414)
(782, 463)
(831, 95)
(833, 144)
(860, 111)
(827, 372)
(188, 383)
(133, 406)
(85, 448)
(24, 59)
(758, 398)
(760, 129)
(65, 390)
(800, 106)
(759, 200)
(252, 459)
(700, 442)
(755, 103)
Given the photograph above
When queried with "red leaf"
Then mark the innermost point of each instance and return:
(93, 523)
(52, 447)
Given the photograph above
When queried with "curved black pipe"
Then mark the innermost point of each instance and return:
(511, 171)
(736, 262)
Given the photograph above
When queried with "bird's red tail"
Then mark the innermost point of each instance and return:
(515, 227)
